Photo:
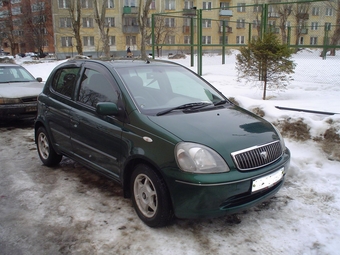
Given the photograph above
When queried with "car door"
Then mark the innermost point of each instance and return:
(57, 109)
(96, 139)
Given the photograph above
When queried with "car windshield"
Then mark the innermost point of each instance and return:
(14, 74)
(159, 90)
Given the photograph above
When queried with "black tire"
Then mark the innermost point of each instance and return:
(150, 197)
(45, 150)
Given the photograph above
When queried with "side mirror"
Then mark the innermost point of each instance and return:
(39, 79)
(106, 108)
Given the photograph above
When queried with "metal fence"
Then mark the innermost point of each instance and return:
(307, 24)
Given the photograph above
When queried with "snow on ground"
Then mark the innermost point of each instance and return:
(69, 210)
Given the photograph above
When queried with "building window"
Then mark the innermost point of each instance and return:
(87, 22)
(314, 25)
(256, 23)
(240, 39)
(110, 22)
(313, 40)
(64, 4)
(16, 22)
(224, 5)
(153, 5)
(39, 19)
(110, 4)
(112, 40)
(329, 12)
(225, 40)
(130, 3)
(301, 41)
(241, 7)
(131, 40)
(241, 23)
(206, 23)
(170, 39)
(328, 26)
(88, 40)
(187, 39)
(38, 7)
(16, 11)
(188, 4)
(315, 11)
(206, 39)
(169, 22)
(86, 4)
(130, 21)
(66, 41)
(18, 32)
(170, 5)
(257, 8)
(207, 5)
(65, 22)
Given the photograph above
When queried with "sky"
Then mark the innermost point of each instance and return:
(68, 210)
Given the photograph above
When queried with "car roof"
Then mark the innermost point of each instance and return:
(123, 63)
(8, 64)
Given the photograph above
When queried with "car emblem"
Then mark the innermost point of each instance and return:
(264, 155)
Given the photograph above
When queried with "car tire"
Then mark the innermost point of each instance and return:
(45, 150)
(150, 197)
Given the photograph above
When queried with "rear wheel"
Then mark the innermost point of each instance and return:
(150, 197)
(45, 150)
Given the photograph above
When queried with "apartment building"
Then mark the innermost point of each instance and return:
(26, 26)
(230, 22)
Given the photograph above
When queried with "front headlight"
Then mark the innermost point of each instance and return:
(282, 142)
(10, 100)
(197, 158)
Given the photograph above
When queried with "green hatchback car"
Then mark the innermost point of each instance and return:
(174, 143)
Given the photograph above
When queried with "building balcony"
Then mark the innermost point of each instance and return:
(130, 10)
(189, 12)
(130, 29)
(302, 16)
(304, 31)
(228, 13)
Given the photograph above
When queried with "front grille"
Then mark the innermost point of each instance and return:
(258, 156)
(29, 99)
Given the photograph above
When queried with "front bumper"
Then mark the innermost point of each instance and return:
(208, 200)
(18, 111)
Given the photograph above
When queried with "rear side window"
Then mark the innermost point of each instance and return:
(64, 81)
(95, 87)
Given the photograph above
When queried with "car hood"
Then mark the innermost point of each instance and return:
(225, 130)
(20, 89)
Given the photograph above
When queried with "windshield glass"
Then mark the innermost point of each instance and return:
(159, 88)
(15, 74)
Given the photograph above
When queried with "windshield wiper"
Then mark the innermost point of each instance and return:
(220, 102)
(184, 106)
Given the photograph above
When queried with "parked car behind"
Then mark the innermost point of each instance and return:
(176, 144)
(19, 91)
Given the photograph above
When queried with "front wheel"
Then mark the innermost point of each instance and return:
(45, 150)
(150, 197)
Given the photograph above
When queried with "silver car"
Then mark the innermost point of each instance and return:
(18, 92)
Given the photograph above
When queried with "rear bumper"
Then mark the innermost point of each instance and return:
(18, 111)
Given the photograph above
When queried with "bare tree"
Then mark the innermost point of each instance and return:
(34, 22)
(161, 32)
(104, 30)
(8, 33)
(300, 12)
(143, 19)
(284, 11)
(336, 35)
(75, 15)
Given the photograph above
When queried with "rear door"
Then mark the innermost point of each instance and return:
(96, 139)
(60, 101)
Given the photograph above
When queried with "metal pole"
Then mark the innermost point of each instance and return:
(223, 43)
(192, 61)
